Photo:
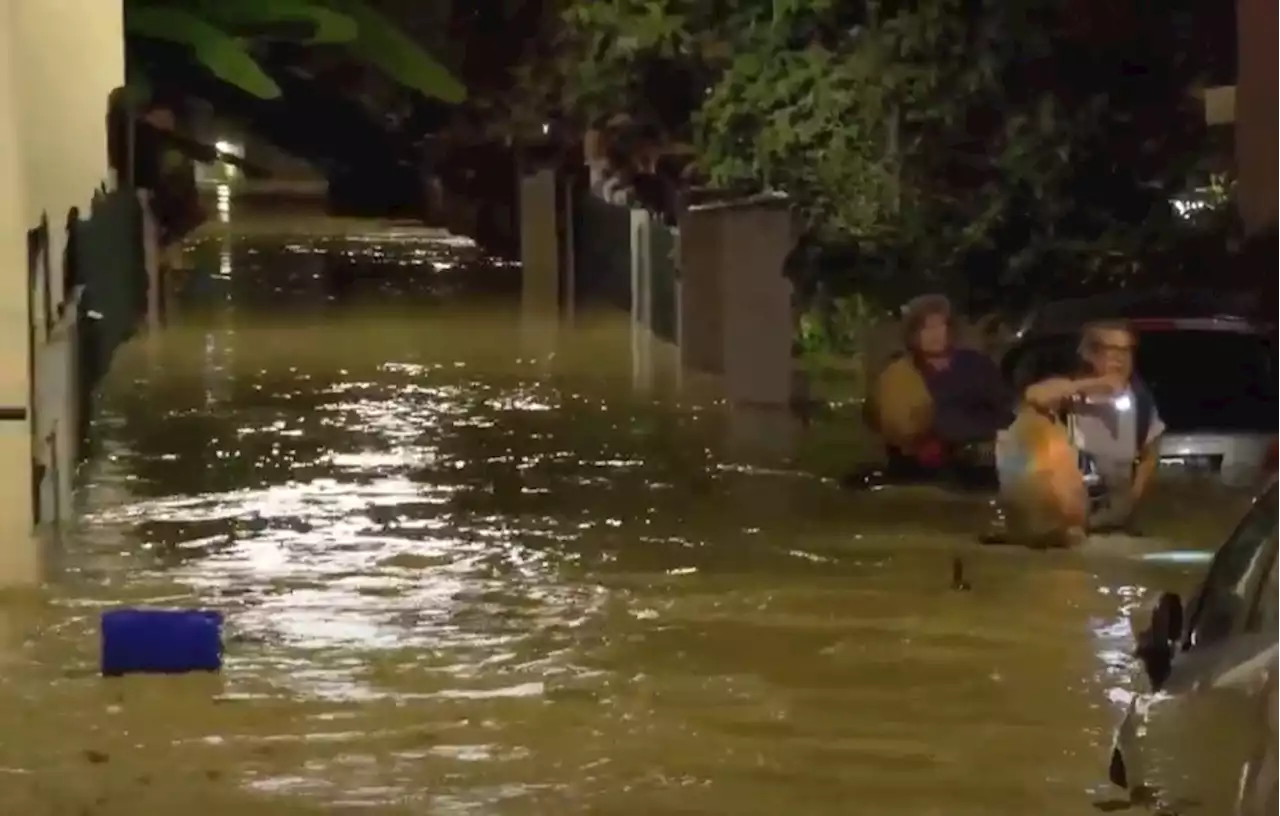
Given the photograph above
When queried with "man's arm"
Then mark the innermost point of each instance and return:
(1148, 458)
(1048, 395)
(1145, 470)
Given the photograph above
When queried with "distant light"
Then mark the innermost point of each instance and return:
(1124, 402)
(224, 203)
(546, 128)
(229, 148)
(1186, 207)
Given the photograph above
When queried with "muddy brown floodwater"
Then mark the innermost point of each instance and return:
(468, 568)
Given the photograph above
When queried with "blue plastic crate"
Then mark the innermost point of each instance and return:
(160, 641)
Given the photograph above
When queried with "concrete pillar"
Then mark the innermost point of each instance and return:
(540, 263)
(539, 240)
(55, 377)
(568, 253)
(758, 328)
(42, 412)
(151, 257)
(678, 368)
(736, 317)
(642, 340)
(701, 306)
(1256, 113)
(735, 303)
(57, 427)
(66, 351)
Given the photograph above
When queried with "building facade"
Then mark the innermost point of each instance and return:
(59, 62)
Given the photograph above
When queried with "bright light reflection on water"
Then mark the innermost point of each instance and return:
(1179, 557)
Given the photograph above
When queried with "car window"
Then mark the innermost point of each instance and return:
(1265, 616)
(1201, 380)
(1222, 602)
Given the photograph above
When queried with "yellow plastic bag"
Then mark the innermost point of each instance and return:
(1042, 490)
(901, 406)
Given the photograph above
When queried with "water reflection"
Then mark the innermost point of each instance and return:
(463, 576)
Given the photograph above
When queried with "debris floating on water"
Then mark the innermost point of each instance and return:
(160, 641)
(958, 581)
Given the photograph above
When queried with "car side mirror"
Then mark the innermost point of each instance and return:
(1158, 642)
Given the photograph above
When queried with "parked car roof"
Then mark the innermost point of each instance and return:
(1064, 316)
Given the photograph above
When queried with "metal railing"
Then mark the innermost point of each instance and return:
(108, 262)
(627, 258)
(52, 360)
(75, 326)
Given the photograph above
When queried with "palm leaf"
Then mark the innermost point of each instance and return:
(329, 26)
(223, 55)
(380, 43)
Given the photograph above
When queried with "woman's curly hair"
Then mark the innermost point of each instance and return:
(918, 310)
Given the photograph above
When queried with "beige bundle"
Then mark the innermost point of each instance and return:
(900, 407)
(1042, 490)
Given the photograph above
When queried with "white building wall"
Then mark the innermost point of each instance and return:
(59, 61)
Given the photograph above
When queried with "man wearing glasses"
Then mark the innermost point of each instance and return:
(1113, 419)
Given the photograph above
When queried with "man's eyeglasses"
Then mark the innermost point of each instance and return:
(1124, 349)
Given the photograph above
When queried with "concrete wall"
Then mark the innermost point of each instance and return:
(736, 316)
(701, 318)
(59, 61)
(1256, 110)
(643, 342)
(736, 303)
(540, 261)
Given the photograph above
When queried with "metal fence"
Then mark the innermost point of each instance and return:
(665, 281)
(76, 321)
(106, 259)
(627, 258)
(40, 326)
(602, 252)
(52, 365)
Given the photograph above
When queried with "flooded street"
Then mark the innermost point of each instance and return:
(468, 568)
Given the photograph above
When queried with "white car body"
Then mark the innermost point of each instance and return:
(1212, 372)
(1201, 737)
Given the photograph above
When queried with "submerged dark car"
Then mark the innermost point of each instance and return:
(1209, 361)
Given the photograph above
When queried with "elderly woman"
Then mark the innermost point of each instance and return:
(937, 403)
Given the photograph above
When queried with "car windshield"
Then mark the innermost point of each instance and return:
(1201, 380)
(1223, 596)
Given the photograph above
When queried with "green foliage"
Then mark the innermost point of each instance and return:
(329, 26)
(810, 121)
(835, 327)
(955, 143)
(220, 35)
(223, 55)
(383, 45)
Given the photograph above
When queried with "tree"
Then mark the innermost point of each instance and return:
(957, 143)
(221, 35)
